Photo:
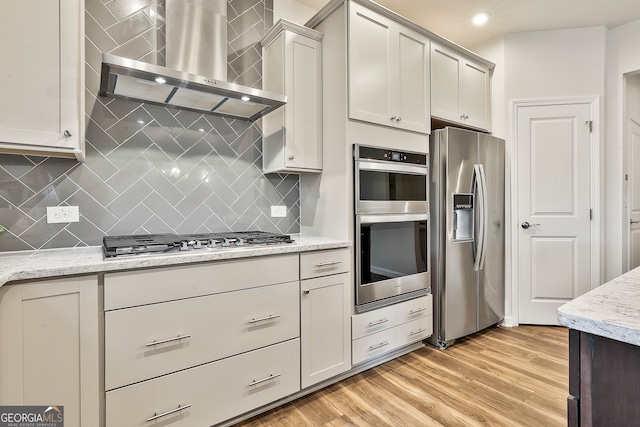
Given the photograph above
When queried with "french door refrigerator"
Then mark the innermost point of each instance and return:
(467, 232)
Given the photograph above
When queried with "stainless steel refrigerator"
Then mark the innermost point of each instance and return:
(467, 232)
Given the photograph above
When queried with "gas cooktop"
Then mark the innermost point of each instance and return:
(118, 246)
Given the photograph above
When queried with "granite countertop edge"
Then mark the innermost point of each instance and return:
(50, 263)
(611, 310)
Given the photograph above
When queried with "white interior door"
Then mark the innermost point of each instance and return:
(554, 228)
(634, 194)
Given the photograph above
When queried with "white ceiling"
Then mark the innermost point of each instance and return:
(451, 18)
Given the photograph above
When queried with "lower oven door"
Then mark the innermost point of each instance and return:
(392, 259)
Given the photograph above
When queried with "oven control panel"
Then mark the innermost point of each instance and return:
(362, 152)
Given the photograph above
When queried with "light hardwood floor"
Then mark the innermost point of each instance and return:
(498, 377)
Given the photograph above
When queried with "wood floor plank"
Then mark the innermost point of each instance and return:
(512, 377)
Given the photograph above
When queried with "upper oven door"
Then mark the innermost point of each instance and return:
(384, 187)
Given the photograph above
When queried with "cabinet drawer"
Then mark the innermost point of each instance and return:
(215, 392)
(141, 287)
(373, 345)
(211, 327)
(323, 263)
(387, 317)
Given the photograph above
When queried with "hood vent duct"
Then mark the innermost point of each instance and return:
(196, 46)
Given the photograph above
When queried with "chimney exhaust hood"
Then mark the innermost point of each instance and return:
(196, 38)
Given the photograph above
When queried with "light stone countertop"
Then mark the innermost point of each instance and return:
(49, 263)
(611, 310)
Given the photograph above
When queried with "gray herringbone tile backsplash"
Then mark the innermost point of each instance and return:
(150, 169)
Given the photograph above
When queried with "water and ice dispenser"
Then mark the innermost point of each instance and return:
(462, 217)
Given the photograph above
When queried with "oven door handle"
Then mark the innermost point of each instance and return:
(372, 219)
(391, 167)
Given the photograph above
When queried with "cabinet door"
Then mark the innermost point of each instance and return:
(49, 347)
(325, 333)
(475, 95)
(370, 66)
(413, 80)
(41, 77)
(303, 129)
(292, 65)
(446, 97)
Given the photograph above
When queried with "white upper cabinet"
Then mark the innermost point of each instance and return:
(41, 78)
(292, 65)
(460, 89)
(388, 72)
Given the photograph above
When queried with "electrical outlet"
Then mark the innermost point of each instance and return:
(61, 214)
(278, 211)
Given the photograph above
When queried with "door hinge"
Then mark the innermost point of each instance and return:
(590, 124)
(626, 177)
(590, 214)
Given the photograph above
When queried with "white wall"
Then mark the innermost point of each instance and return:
(623, 56)
(539, 65)
(554, 64)
(292, 11)
(493, 50)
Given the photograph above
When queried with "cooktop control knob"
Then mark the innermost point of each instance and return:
(225, 242)
(240, 242)
(197, 244)
(184, 245)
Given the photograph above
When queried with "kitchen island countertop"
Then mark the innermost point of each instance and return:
(48, 263)
(611, 310)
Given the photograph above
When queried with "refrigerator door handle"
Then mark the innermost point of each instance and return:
(485, 215)
(476, 187)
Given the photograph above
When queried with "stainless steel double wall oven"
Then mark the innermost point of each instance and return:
(391, 226)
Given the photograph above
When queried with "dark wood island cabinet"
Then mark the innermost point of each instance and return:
(604, 354)
(604, 381)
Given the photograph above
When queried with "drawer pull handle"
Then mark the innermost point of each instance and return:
(378, 322)
(262, 319)
(270, 377)
(164, 414)
(417, 310)
(419, 331)
(328, 263)
(377, 346)
(178, 338)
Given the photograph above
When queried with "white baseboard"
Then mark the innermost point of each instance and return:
(509, 322)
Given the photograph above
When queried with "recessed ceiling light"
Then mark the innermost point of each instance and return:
(160, 80)
(245, 98)
(480, 18)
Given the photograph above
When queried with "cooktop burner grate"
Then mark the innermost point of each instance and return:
(115, 246)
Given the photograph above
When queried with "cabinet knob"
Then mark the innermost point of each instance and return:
(306, 292)
(394, 118)
(67, 134)
(290, 156)
(398, 119)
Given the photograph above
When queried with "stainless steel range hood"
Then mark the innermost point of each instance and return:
(195, 76)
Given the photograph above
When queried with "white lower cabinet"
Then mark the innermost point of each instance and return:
(176, 335)
(325, 305)
(374, 345)
(380, 331)
(210, 393)
(324, 325)
(49, 347)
